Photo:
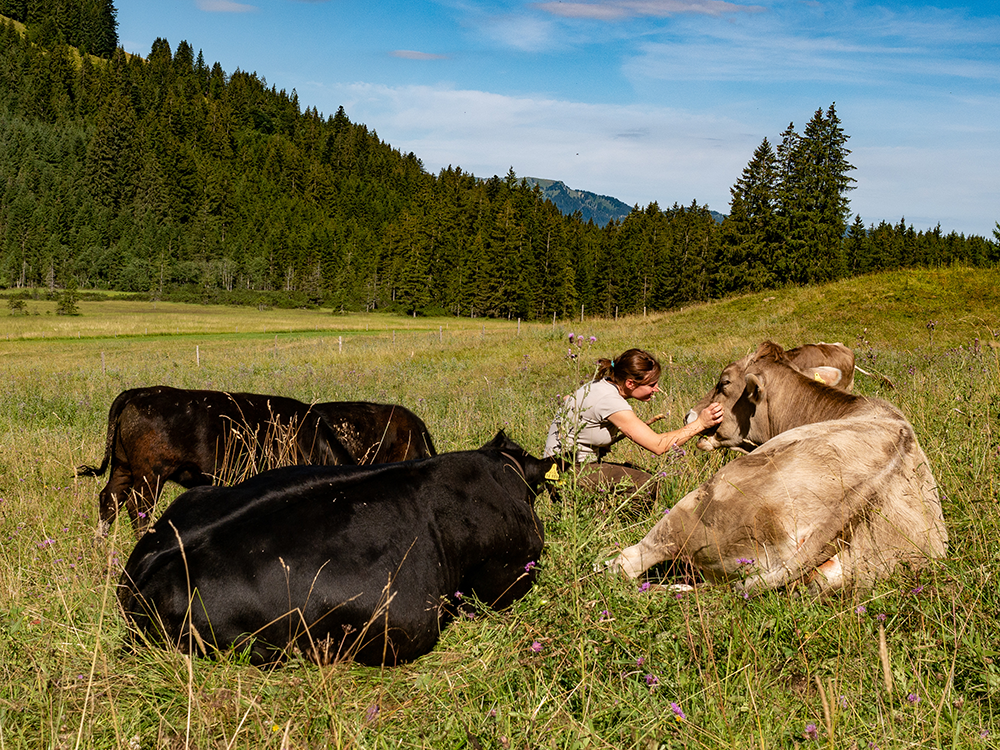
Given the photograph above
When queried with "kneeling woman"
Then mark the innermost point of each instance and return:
(590, 420)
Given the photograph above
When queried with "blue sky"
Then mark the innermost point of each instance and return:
(643, 100)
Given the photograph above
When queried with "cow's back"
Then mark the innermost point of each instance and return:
(377, 433)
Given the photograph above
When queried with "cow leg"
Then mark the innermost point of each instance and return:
(114, 494)
(658, 545)
(799, 559)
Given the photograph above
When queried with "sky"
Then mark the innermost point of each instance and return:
(641, 100)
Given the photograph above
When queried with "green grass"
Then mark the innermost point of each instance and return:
(614, 658)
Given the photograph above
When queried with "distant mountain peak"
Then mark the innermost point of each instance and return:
(592, 206)
(599, 208)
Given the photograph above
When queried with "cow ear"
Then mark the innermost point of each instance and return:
(541, 470)
(827, 375)
(755, 387)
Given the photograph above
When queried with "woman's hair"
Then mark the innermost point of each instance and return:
(636, 364)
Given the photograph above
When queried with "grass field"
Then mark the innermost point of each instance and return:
(618, 666)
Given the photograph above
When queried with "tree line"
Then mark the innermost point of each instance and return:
(168, 177)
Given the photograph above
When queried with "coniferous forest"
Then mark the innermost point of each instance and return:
(169, 177)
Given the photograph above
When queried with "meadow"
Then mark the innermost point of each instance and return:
(587, 659)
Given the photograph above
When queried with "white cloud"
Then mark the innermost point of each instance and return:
(224, 6)
(635, 153)
(617, 10)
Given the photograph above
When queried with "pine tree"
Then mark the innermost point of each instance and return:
(750, 231)
(813, 204)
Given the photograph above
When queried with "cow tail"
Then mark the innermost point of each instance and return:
(85, 470)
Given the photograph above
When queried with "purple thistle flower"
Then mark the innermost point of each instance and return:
(913, 698)
(745, 561)
(652, 679)
(811, 733)
(536, 647)
(593, 339)
(529, 566)
(860, 609)
(458, 594)
(571, 337)
(605, 615)
(640, 661)
(372, 712)
(678, 713)
(644, 586)
(880, 617)
(916, 590)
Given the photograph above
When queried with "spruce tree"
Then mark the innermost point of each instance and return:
(750, 231)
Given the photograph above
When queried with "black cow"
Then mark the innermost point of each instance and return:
(366, 563)
(162, 434)
(377, 433)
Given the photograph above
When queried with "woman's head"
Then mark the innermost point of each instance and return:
(634, 364)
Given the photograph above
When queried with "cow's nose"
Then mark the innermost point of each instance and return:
(704, 444)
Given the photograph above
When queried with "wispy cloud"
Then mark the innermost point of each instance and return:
(837, 46)
(618, 10)
(618, 150)
(409, 54)
(224, 6)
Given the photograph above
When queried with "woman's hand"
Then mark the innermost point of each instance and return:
(710, 416)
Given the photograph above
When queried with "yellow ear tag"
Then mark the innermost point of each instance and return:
(817, 377)
(552, 473)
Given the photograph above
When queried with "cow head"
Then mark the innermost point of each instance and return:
(534, 470)
(743, 427)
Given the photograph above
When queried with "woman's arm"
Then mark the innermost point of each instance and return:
(660, 442)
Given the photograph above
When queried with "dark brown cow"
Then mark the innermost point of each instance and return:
(377, 433)
(839, 490)
(825, 364)
(162, 434)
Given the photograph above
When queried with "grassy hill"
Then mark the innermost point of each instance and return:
(911, 662)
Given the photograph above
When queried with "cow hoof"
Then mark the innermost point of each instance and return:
(603, 565)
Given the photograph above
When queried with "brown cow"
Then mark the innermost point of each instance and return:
(829, 504)
(839, 484)
(194, 438)
(832, 364)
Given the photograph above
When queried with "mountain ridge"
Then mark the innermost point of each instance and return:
(592, 206)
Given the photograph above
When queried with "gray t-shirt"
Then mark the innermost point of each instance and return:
(582, 423)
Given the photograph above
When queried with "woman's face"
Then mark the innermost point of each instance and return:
(641, 392)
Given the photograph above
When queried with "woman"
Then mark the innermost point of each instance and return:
(590, 420)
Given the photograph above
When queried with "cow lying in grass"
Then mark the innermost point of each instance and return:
(839, 492)
(366, 563)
